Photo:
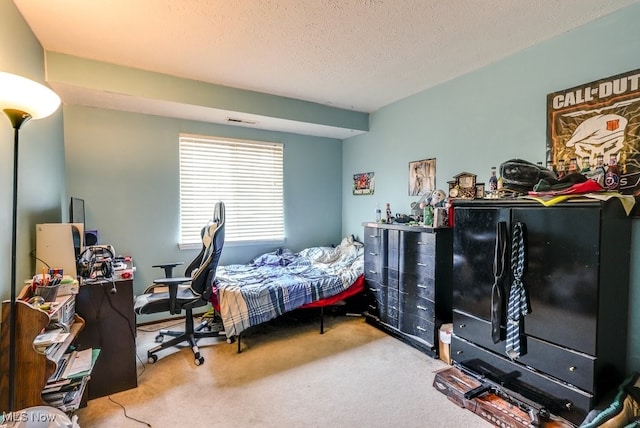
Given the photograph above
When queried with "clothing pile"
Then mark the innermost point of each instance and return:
(624, 411)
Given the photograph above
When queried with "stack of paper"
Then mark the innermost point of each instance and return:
(48, 338)
(65, 387)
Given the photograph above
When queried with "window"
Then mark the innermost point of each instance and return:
(246, 175)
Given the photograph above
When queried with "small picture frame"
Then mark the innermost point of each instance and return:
(364, 183)
(422, 177)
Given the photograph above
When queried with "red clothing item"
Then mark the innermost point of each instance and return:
(588, 186)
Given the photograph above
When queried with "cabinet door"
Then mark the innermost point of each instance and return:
(562, 274)
(473, 253)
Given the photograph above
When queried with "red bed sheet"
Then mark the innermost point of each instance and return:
(355, 288)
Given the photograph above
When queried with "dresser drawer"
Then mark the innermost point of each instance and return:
(418, 263)
(375, 239)
(563, 400)
(420, 242)
(475, 330)
(374, 248)
(374, 271)
(417, 306)
(421, 285)
(566, 365)
(419, 327)
(376, 290)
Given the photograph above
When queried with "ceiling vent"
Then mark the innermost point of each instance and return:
(240, 121)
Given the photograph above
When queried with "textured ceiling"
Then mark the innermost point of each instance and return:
(353, 54)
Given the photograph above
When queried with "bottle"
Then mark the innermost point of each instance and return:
(599, 170)
(573, 166)
(388, 213)
(550, 166)
(427, 217)
(561, 171)
(586, 165)
(378, 214)
(493, 182)
(612, 176)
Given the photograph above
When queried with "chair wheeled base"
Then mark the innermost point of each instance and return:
(206, 328)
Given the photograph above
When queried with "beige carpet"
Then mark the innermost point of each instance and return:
(288, 375)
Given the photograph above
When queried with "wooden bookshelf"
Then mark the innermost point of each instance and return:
(32, 367)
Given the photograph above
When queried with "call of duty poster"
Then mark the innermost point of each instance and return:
(592, 122)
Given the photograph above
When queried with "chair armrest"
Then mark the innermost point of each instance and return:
(168, 268)
(169, 281)
(172, 284)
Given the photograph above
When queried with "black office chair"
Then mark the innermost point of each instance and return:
(188, 292)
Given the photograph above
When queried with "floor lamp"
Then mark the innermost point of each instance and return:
(21, 99)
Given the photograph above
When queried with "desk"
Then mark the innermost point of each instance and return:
(110, 326)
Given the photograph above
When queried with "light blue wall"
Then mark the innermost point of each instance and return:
(41, 181)
(484, 118)
(125, 167)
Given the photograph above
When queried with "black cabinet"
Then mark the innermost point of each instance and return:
(408, 276)
(576, 279)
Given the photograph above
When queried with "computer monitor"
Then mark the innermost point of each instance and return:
(76, 210)
(76, 217)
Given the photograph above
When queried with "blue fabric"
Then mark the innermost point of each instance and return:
(281, 281)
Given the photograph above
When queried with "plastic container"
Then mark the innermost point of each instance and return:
(47, 292)
(444, 337)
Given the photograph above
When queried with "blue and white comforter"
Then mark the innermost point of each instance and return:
(280, 281)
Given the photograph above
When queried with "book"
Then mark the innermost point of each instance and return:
(49, 337)
(80, 363)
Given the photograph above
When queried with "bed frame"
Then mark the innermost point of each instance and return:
(356, 288)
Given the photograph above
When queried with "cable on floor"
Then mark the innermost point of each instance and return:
(127, 416)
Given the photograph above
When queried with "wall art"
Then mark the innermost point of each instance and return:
(364, 183)
(598, 123)
(422, 177)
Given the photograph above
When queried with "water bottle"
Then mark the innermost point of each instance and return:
(378, 214)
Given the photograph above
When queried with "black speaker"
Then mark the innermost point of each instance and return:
(90, 237)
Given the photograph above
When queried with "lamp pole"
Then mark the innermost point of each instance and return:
(17, 118)
(21, 99)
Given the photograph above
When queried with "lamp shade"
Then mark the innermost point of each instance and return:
(25, 95)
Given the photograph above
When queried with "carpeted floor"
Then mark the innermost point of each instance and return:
(288, 375)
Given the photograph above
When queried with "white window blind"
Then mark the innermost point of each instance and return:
(246, 175)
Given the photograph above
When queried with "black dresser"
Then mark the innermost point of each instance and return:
(408, 281)
(576, 280)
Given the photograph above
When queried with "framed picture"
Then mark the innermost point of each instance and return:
(364, 183)
(422, 177)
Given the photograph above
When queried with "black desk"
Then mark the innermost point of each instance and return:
(110, 326)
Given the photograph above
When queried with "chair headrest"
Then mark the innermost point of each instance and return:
(208, 232)
(219, 212)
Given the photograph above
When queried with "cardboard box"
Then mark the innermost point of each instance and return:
(445, 342)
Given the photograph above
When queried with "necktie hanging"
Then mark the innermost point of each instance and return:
(500, 273)
(518, 303)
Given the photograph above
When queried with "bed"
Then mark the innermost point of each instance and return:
(280, 281)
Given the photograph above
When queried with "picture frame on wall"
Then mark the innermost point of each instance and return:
(422, 176)
(364, 183)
